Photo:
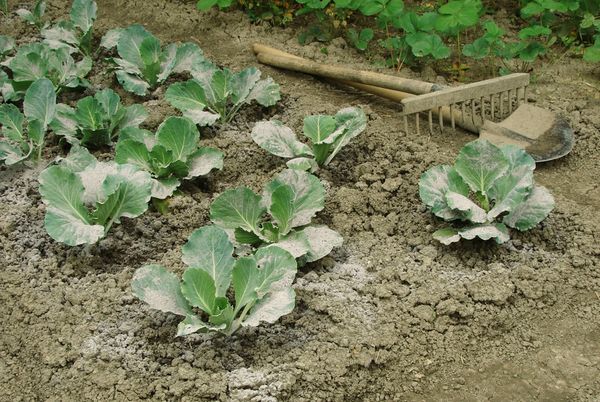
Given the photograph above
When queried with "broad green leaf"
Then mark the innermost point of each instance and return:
(318, 128)
(11, 154)
(296, 243)
(198, 287)
(110, 102)
(204, 5)
(6, 45)
(433, 186)
(67, 220)
(78, 160)
(204, 160)
(425, 44)
(245, 278)
(150, 53)
(209, 249)
(277, 269)
(242, 83)
(221, 85)
(89, 113)
(40, 102)
(83, 14)
(532, 211)
(178, 135)
(270, 308)
(237, 208)
(111, 38)
(134, 116)
(159, 288)
(128, 192)
(133, 152)
(279, 140)
(36, 132)
(130, 42)
(189, 97)
(282, 207)
(187, 57)
(458, 14)
(480, 164)
(309, 194)
(512, 188)
(225, 315)
(350, 122)
(11, 120)
(468, 208)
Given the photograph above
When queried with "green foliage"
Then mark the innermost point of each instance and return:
(143, 64)
(7, 44)
(35, 16)
(261, 285)
(215, 94)
(281, 216)
(96, 120)
(76, 33)
(37, 60)
(169, 156)
(20, 141)
(360, 40)
(84, 197)
(4, 7)
(327, 134)
(490, 188)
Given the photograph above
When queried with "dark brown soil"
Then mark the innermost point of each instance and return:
(391, 315)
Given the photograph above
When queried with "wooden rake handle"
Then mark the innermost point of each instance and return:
(278, 58)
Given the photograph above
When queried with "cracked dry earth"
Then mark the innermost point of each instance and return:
(391, 315)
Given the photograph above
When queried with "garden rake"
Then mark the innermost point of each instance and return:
(474, 107)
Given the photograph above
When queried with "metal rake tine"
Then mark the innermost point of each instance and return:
(405, 124)
(510, 105)
(501, 105)
(482, 101)
(452, 117)
(492, 106)
(430, 115)
(441, 119)
(473, 111)
(462, 111)
(417, 122)
(525, 100)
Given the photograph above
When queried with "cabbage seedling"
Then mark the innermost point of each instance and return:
(327, 135)
(34, 17)
(261, 283)
(96, 120)
(38, 60)
(84, 197)
(17, 143)
(282, 216)
(143, 64)
(490, 188)
(215, 94)
(76, 33)
(172, 154)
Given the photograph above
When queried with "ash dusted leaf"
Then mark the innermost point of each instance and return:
(198, 287)
(178, 135)
(164, 188)
(11, 154)
(187, 57)
(496, 231)
(209, 249)
(190, 98)
(277, 269)
(447, 236)
(192, 324)
(282, 207)
(203, 161)
(480, 163)
(245, 280)
(279, 140)
(130, 42)
(132, 83)
(237, 208)
(469, 209)
(321, 241)
(83, 14)
(296, 243)
(40, 102)
(7, 44)
(433, 186)
(11, 122)
(67, 220)
(111, 38)
(159, 288)
(350, 122)
(306, 164)
(265, 92)
(309, 194)
(78, 160)
(270, 308)
(511, 189)
(534, 209)
(242, 83)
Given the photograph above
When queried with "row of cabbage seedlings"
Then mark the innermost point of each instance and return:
(255, 242)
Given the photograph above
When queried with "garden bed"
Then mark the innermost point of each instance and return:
(391, 315)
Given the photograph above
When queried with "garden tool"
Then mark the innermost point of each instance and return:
(474, 107)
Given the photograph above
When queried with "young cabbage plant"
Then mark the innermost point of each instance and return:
(7, 44)
(327, 134)
(96, 120)
(143, 64)
(490, 188)
(35, 16)
(170, 155)
(215, 94)
(20, 141)
(76, 33)
(262, 285)
(38, 60)
(282, 216)
(84, 197)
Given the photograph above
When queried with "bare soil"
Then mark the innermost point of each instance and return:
(391, 315)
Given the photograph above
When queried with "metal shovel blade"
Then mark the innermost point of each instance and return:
(544, 135)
